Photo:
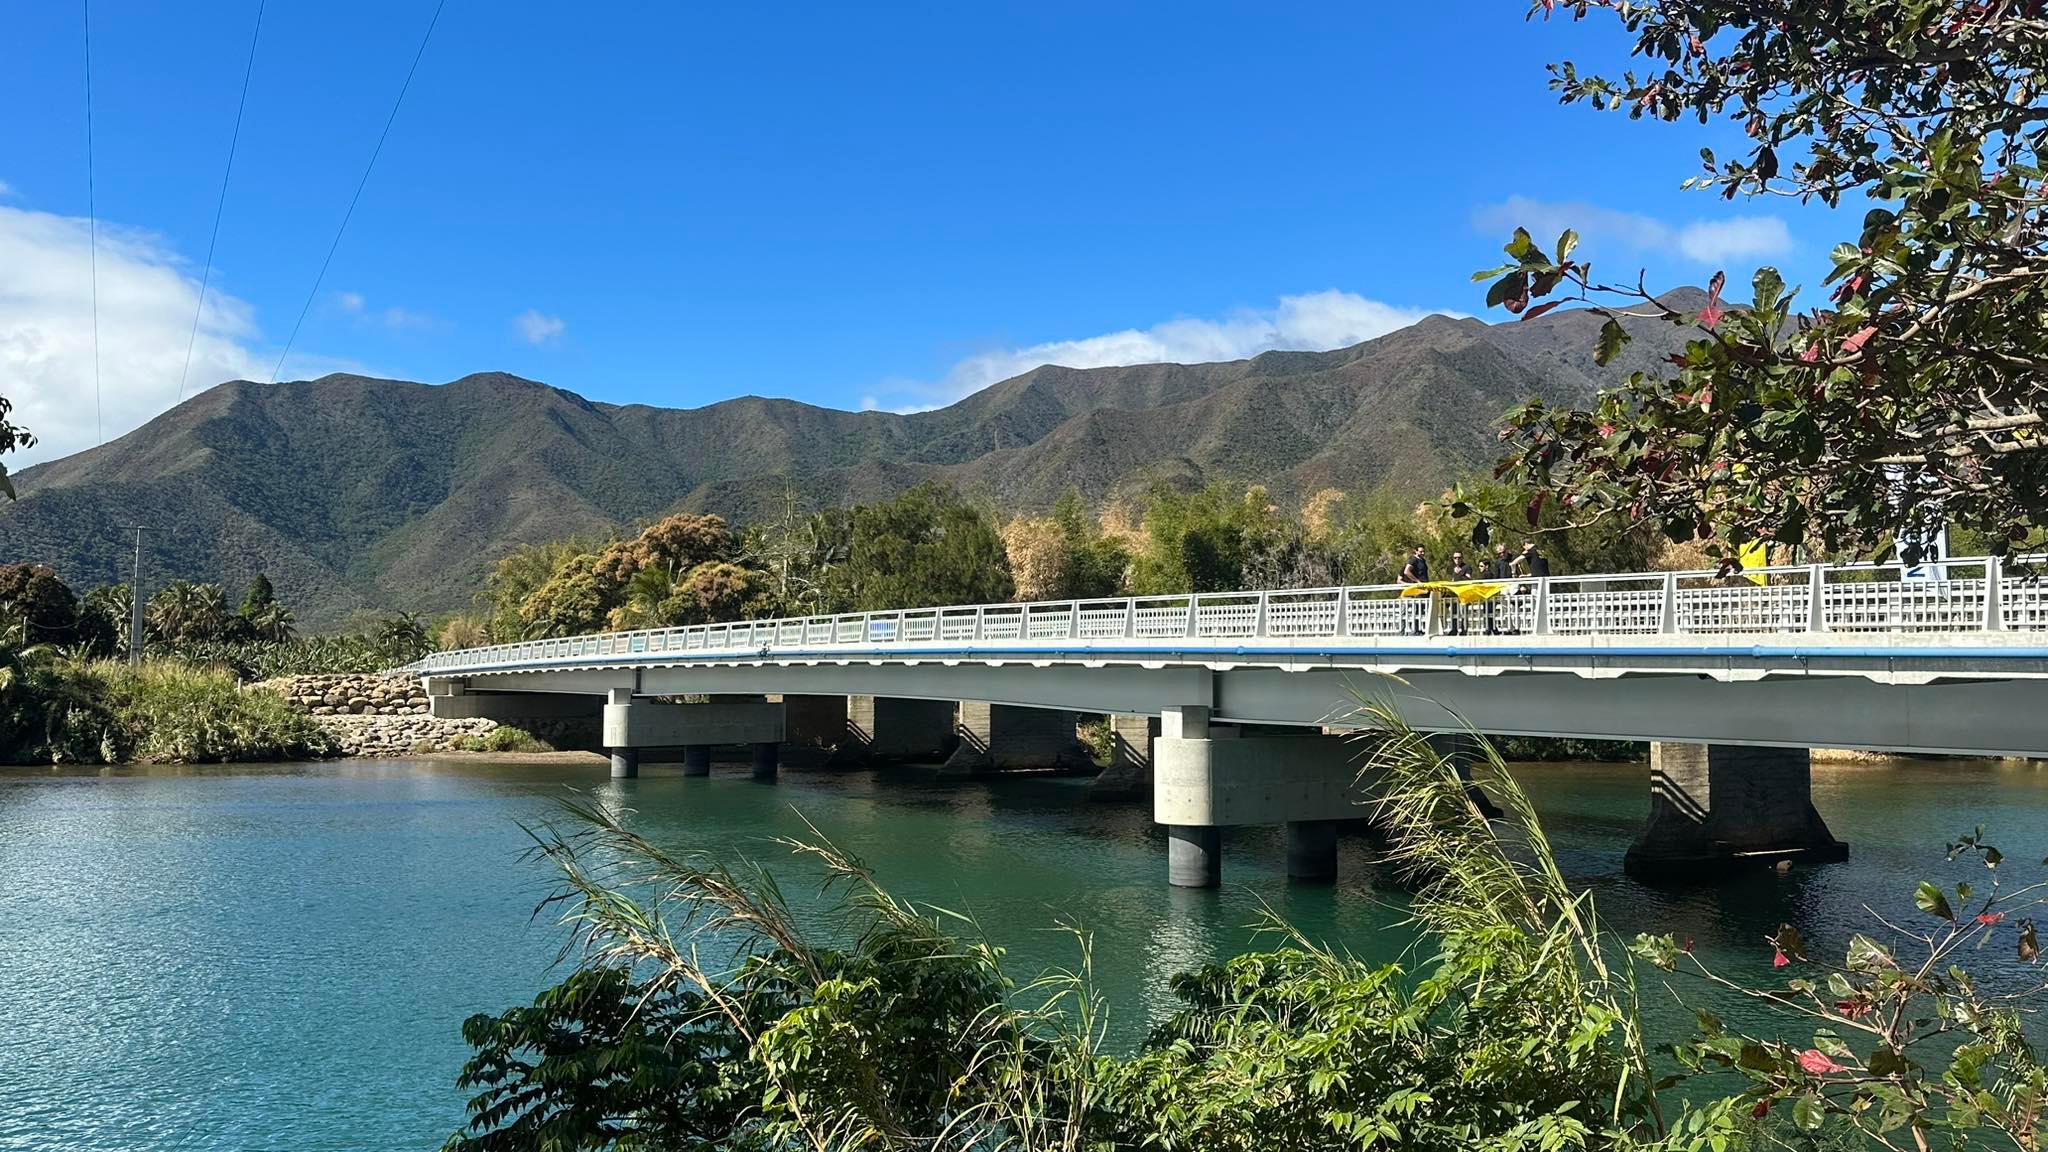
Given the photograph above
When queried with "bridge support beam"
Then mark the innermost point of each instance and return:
(1715, 808)
(1208, 777)
(1461, 750)
(1312, 851)
(1002, 738)
(1129, 774)
(887, 728)
(815, 724)
(632, 724)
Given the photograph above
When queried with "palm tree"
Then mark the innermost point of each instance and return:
(273, 623)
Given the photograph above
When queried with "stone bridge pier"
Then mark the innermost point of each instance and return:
(880, 729)
(1715, 808)
(632, 724)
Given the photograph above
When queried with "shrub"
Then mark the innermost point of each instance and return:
(171, 712)
(504, 738)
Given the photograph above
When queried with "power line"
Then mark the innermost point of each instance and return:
(206, 277)
(92, 216)
(367, 169)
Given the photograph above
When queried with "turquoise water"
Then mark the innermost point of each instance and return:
(281, 956)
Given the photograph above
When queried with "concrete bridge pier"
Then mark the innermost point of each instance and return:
(1461, 750)
(1312, 851)
(880, 729)
(1130, 759)
(1003, 738)
(1716, 808)
(632, 724)
(625, 757)
(1208, 777)
(767, 759)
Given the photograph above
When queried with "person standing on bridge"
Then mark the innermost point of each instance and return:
(1459, 571)
(1532, 561)
(1502, 568)
(1416, 571)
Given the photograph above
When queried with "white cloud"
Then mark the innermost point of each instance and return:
(350, 301)
(395, 318)
(6, 189)
(1745, 238)
(1316, 321)
(536, 327)
(146, 302)
(1702, 241)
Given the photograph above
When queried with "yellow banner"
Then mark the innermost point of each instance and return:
(1467, 592)
(1755, 554)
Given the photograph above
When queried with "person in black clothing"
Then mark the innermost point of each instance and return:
(1459, 571)
(1533, 561)
(1416, 571)
(1501, 567)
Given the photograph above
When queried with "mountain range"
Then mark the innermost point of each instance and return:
(354, 493)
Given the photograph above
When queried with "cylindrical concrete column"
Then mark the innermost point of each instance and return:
(696, 759)
(625, 763)
(767, 757)
(1312, 851)
(1194, 856)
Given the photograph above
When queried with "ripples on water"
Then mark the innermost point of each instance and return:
(282, 956)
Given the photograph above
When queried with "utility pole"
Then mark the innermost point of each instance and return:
(135, 599)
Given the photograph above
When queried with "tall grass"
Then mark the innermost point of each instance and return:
(178, 713)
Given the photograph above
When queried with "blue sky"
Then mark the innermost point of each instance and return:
(844, 204)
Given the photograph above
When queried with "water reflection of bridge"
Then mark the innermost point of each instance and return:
(1222, 701)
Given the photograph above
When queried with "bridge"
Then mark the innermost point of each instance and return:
(1226, 705)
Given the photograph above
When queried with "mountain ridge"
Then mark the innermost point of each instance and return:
(358, 492)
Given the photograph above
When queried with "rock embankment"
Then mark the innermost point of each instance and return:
(371, 715)
(352, 695)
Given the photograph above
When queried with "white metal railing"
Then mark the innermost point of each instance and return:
(1957, 596)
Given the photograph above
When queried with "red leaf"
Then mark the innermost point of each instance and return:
(1535, 508)
(1811, 354)
(1710, 315)
(1714, 287)
(1540, 309)
(1858, 340)
(1990, 917)
(1815, 1062)
(1778, 959)
(1762, 1106)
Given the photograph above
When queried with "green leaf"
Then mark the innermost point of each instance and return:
(1809, 1113)
(1612, 338)
(1929, 899)
(1770, 288)
(1866, 955)
(1566, 244)
(1520, 246)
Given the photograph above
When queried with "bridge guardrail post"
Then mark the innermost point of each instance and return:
(1541, 624)
(1131, 619)
(1817, 607)
(1259, 617)
(1073, 619)
(1194, 615)
(1667, 620)
(1343, 627)
(1994, 606)
(977, 623)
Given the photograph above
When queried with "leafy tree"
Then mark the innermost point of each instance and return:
(715, 592)
(515, 578)
(570, 603)
(184, 613)
(259, 597)
(600, 1062)
(45, 606)
(1197, 541)
(403, 634)
(12, 438)
(1914, 394)
(926, 547)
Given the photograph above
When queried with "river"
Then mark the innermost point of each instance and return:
(281, 955)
